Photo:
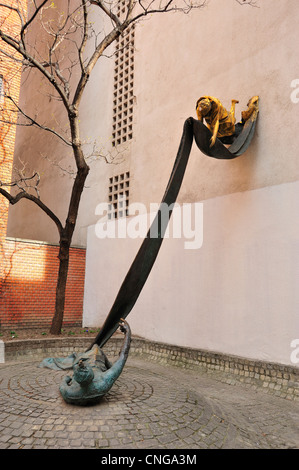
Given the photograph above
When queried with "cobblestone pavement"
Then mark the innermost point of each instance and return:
(151, 406)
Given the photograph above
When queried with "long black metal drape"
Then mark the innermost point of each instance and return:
(148, 252)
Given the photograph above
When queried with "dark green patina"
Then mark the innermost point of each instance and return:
(93, 374)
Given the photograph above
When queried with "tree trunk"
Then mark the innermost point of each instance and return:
(64, 252)
(66, 236)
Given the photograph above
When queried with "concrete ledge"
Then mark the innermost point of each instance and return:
(277, 379)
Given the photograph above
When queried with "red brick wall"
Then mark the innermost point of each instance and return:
(29, 283)
(28, 270)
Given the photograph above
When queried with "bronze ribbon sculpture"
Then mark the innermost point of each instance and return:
(93, 375)
(147, 254)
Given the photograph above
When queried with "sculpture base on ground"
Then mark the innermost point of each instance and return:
(93, 374)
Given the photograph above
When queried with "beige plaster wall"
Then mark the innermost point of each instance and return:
(235, 294)
(226, 50)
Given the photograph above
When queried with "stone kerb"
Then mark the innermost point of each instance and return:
(277, 379)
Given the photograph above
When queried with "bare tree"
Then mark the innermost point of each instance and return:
(72, 26)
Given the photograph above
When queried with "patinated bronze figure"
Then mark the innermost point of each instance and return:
(93, 374)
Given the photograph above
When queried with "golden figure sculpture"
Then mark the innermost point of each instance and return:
(253, 107)
(219, 121)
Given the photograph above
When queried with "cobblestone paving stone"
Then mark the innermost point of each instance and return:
(151, 406)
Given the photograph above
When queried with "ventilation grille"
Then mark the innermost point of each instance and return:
(119, 187)
(122, 127)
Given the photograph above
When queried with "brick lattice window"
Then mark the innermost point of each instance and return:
(122, 127)
(119, 196)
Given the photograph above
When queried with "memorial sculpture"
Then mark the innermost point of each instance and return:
(219, 121)
(93, 374)
(221, 138)
(148, 252)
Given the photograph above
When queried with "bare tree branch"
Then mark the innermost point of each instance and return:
(108, 12)
(23, 182)
(29, 21)
(24, 195)
(57, 65)
(85, 35)
(15, 9)
(35, 63)
(33, 122)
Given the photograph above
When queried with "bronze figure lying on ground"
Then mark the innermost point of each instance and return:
(93, 374)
